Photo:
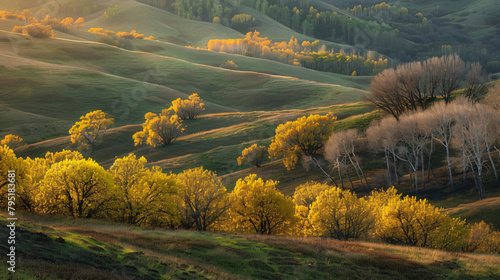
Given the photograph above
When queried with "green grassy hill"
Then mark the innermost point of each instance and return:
(60, 248)
(53, 82)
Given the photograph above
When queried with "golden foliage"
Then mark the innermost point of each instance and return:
(13, 141)
(63, 25)
(188, 108)
(159, 129)
(416, 222)
(9, 15)
(90, 129)
(35, 172)
(482, 238)
(229, 65)
(258, 206)
(307, 193)
(42, 28)
(36, 30)
(62, 155)
(79, 188)
(340, 214)
(254, 154)
(203, 198)
(130, 35)
(9, 161)
(304, 196)
(307, 54)
(302, 137)
(143, 196)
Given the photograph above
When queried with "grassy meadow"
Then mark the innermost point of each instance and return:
(84, 249)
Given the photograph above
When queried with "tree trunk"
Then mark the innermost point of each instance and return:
(493, 166)
(388, 168)
(327, 175)
(395, 167)
(415, 168)
(340, 174)
(429, 162)
(449, 164)
(464, 159)
(356, 169)
(423, 170)
(348, 176)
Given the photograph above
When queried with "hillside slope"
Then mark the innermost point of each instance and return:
(113, 251)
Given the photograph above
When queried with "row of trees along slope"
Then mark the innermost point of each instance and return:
(65, 183)
(467, 130)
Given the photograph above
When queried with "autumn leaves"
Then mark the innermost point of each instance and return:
(164, 128)
(158, 129)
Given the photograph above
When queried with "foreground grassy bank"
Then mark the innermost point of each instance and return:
(62, 248)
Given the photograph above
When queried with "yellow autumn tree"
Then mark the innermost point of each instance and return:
(78, 188)
(10, 162)
(13, 141)
(203, 198)
(36, 30)
(62, 155)
(415, 222)
(254, 155)
(90, 129)
(35, 172)
(142, 195)
(304, 196)
(258, 206)
(188, 109)
(302, 137)
(482, 238)
(159, 129)
(340, 214)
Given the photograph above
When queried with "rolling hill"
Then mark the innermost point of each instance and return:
(47, 84)
(93, 249)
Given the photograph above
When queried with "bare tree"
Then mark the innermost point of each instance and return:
(386, 93)
(493, 97)
(411, 85)
(450, 71)
(440, 120)
(411, 82)
(477, 130)
(431, 68)
(477, 82)
(341, 148)
(413, 136)
(381, 137)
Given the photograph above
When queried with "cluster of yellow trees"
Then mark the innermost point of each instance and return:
(158, 129)
(164, 128)
(12, 141)
(41, 24)
(66, 183)
(113, 38)
(307, 54)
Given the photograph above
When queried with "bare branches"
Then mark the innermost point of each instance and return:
(411, 85)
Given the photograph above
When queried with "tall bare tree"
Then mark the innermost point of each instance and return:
(450, 72)
(477, 130)
(341, 148)
(431, 68)
(413, 136)
(440, 120)
(477, 82)
(386, 93)
(381, 137)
